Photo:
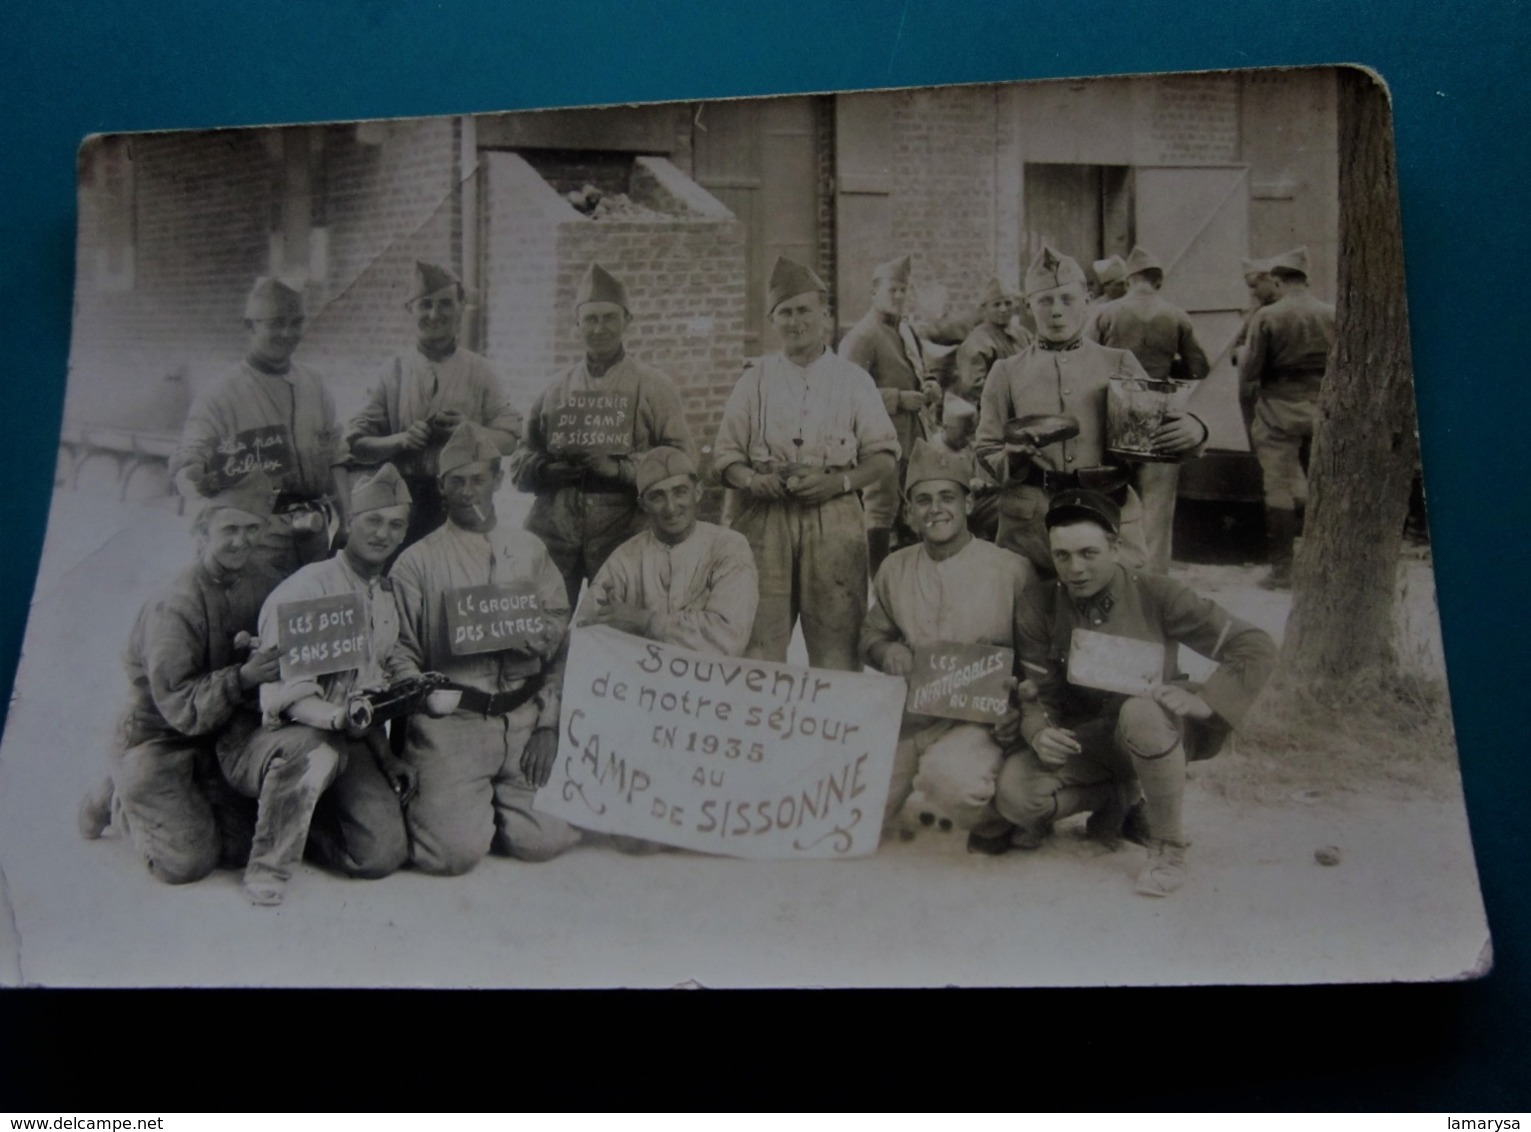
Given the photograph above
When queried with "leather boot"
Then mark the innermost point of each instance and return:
(1281, 534)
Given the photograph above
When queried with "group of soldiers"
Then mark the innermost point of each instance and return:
(229, 756)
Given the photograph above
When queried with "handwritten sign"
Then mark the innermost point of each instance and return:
(723, 755)
(959, 681)
(322, 635)
(1115, 664)
(493, 618)
(598, 423)
(268, 449)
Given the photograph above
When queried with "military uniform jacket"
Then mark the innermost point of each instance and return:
(1288, 346)
(181, 660)
(984, 345)
(251, 399)
(1158, 334)
(1145, 607)
(888, 349)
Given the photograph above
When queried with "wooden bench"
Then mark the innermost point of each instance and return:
(130, 450)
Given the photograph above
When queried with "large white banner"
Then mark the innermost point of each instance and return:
(719, 754)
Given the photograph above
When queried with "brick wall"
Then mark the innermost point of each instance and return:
(204, 206)
(944, 188)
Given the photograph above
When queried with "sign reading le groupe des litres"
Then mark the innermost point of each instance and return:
(321, 635)
(720, 754)
(594, 423)
(492, 618)
(957, 681)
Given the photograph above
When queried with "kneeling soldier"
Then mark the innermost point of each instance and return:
(956, 589)
(482, 604)
(1089, 750)
(321, 778)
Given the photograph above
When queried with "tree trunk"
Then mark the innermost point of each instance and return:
(1365, 446)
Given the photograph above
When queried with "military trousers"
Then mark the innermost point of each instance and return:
(1157, 486)
(161, 801)
(812, 564)
(473, 797)
(954, 766)
(1282, 428)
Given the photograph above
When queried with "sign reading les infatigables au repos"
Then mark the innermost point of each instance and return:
(321, 635)
(951, 680)
(745, 758)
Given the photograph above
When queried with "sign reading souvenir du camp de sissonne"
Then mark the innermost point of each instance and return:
(720, 754)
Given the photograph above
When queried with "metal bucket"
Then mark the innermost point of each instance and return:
(1135, 408)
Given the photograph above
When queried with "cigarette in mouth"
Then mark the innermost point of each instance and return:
(479, 511)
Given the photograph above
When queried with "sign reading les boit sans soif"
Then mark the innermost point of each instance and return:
(961, 681)
(720, 754)
(596, 423)
(492, 618)
(321, 635)
(267, 449)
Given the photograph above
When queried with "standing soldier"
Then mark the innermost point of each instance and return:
(1161, 337)
(682, 581)
(1064, 373)
(275, 415)
(1263, 291)
(193, 691)
(311, 763)
(802, 432)
(1110, 280)
(950, 589)
(422, 395)
(885, 344)
(992, 340)
(586, 434)
(481, 759)
(1283, 368)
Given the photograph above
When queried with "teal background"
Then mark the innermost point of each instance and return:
(1458, 80)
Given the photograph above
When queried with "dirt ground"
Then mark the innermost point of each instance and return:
(1402, 904)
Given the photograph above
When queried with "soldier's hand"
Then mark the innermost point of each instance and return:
(563, 472)
(537, 759)
(932, 392)
(1182, 702)
(402, 778)
(819, 486)
(604, 466)
(766, 485)
(1180, 432)
(447, 420)
(898, 659)
(416, 436)
(1054, 745)
(910, 401)
(263, 667)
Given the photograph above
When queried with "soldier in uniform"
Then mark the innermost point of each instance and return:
(194, 689)
(951, 588)
(993, 339)
(1283, 369)
(682, 581)
(587, 497)
(320, 779)
(480, 760)
(884, 343)
(1091, 751)
(1263, 291)
(802, 432)
(274, 414)
(1063, 372)
(422, 395)
(1161, 337)
(1110, 280)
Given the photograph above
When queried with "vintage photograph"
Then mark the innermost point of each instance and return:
(950, 536)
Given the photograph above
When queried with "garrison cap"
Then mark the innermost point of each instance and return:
(662, 463)
(993, 292)
(955, 408)
(254, 494)
(895, 270)
(468, 444)
(1295, 261)
(1051, 269)
(1253, 268)
(430, 278)
(384, 488)
(1141, 259)
(789, 278)
(271, 297)
(1074, 505)
(927, 462)
(1109, 270)
(600, 286)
